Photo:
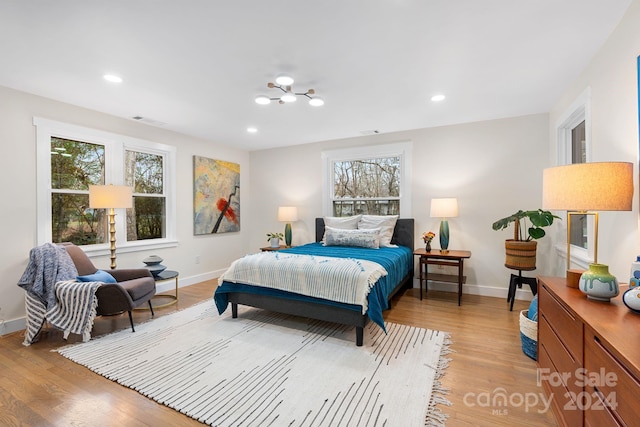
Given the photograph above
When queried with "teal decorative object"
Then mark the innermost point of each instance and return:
(287, 234)
(598, 283)
(444, 235)
(444, 208)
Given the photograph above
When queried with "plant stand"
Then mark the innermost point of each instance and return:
(517, 280)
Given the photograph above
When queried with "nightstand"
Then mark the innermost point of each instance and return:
(270, 248)
(435, 257)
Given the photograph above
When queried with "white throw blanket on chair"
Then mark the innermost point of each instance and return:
(345, 280)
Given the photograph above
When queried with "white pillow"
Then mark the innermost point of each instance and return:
(364, 238)
(341, 222)
(386, 224)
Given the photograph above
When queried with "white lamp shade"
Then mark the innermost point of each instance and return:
(288, 97)
(316, 101)
(110, 196)
(598, 186)
(287, 213)
(444, 208)
(284, 80)
(263, 100)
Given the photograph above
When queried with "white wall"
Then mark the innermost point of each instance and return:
(18, 184)
(612, 78)
(494, 168)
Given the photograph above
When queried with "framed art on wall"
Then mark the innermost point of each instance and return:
(216, 196)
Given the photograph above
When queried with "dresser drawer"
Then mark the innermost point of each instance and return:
(563, 361)
(565, 325)
(599, 415)
(561, 399)
(610, 380)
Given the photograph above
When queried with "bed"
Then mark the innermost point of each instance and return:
(397, 261)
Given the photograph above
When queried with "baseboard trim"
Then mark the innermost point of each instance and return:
(482, 290)
(15, 325)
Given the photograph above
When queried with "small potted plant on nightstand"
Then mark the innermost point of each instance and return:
(274, 238)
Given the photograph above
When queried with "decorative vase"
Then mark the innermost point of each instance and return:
(631, 298)
(598, 283)
(428, 247)
(444, 236)
(153, 264)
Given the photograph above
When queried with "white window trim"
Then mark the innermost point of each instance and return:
(401, 149)
(46, 128)
(578, 111)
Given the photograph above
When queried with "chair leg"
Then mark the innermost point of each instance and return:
(151, 308)
(131, 320)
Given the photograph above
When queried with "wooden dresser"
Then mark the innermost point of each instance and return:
(589, 356)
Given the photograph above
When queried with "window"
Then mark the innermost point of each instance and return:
(357, 182)
(70, 158)
(574, 138)
(579, 224)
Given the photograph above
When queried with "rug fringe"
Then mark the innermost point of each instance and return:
(435, 417)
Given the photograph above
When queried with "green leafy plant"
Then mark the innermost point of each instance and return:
(537, 218)
(274, 236)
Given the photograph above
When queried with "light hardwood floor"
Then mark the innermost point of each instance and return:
(39, 387)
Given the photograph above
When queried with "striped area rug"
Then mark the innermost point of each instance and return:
(269, 369)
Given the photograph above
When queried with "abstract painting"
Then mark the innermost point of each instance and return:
(216, 196)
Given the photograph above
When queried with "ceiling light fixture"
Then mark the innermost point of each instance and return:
(284, 82)
(438, 98)
(252, 130)
(112, 78)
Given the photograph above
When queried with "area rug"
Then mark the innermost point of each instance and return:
(269, 369)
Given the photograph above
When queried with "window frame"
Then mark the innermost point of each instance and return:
(115, 146)
(400, 149)
(579, 111)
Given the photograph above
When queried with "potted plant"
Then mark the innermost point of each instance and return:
(274, 238)
(521, 250)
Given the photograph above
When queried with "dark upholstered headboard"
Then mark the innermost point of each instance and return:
(403, 234)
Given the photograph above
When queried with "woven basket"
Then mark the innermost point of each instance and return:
(529, 335)
(520, 254)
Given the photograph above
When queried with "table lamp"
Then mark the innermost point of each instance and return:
(111, 197)
(584, 189)
(444, 208)
(287, 214)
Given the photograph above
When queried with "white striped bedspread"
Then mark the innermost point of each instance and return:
(345, 280)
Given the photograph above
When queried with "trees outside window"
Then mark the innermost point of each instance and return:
(368, 186)
(70, 158)
(373, 180)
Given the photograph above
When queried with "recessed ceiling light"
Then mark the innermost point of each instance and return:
(438, 98)
(251, 129)
(112, 78)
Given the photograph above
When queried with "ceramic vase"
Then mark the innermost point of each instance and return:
(153, 264)
(427, 247)
(275, 242)
(598, 283)
(631, 298)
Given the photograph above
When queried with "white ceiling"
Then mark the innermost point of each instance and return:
(197, 65)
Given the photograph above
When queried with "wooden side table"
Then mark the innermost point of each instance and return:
(271, 248)
(435, 257)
